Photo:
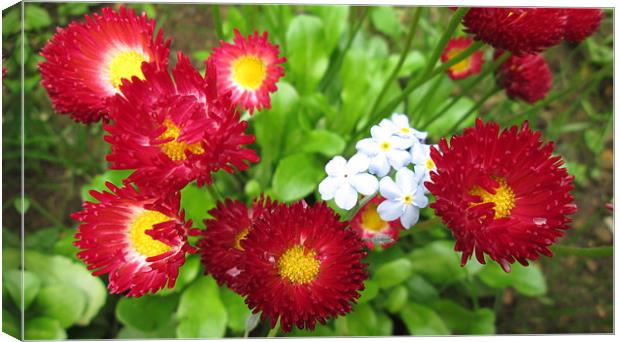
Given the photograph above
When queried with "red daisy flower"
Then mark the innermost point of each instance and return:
(248, 69)
(582, 23)
(137, 238)
(174, 131)
(526, 78)
(86, 61)
(303, 264)
(369, 225)
(220, 244)
(518, 30)
(501, 193)
(469, 66)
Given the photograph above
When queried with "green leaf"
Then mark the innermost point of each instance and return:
(371, 289)
(463, 321)
(324, 142)
(362, 321)
(44, 328)
(334, 20)
(393, 273)
(10, 324)
(18, 205)
(526, 280)
(420, 290)
(297, 176)
(422, 320)
(438, 262)
(385, 19)
(201, 313)
(59, 270)
(64, 245)
(238, 311)
(115, 177)
(61, 302)
(319, 330)
(36, 17)
(13, 282)
(397, 299)
(146, 313)
(11, 22)
(196, 202)
(164, 331)
(307, 57)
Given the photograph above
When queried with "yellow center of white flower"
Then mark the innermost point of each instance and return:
(385, 146)
(504, 198)
(249, 72)
(461, 66)
(430, 164)
(408, 199)
(405, 130)
(372, 221)
(175, 149)
(299, 266)
(240, 237)
(125, 65)
(143, 243)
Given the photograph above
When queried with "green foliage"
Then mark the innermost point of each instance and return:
(307, 59)
(65, 303)
(44, 328)
(296, 176)
(463, 321)
(147, 313)
(201, 312)
(527, 280)
(393, 273)
(422, 320)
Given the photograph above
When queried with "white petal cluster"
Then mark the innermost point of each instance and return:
(393, 145)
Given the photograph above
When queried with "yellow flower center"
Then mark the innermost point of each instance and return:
(430, 164)
(385, 146)
(298, 265)
(408, 199)
(125, 65)
(175, 149)
(371, 220)
(240, 237)
(143, 243)
(405, 130)
(461, 66)
(249, 72)
(504, 198)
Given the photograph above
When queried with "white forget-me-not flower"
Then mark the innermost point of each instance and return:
(421, 156)
(384, 150)
(345, 179)
(403, 198)
(399, 125)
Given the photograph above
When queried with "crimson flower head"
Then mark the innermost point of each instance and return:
(220, 245)
(248, 69)
(582, 23)
(304, 265)
(501, 193)
(469, 66)
(138, 239)
(87, 61)
(371, 228)
(526, 77)
(173, 130)
(518, 30)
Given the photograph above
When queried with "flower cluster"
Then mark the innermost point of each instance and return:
(393, 145)
(170, 128)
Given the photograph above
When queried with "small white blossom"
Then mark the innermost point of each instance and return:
(399, 125)
(345, 179)
(421, 156)
(384, 150)
(404, 198)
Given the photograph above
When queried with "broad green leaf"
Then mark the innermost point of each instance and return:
(371, 289)
(319, 330)
(422, 320)
(393, 273)
(44, 328)
(146, 313)
(252, 188)
(10, 324)
(307, 57)
(59, 270)
(334, 20)
(362, 321)
(420, 290)
(385, 19)
(35, 17)
(115, 177)
(18, 205)
(438, 262)
(164, 331)
(201, 313)
(11, 22)
(43, 239)
(63, 303)
(324, 142)
(526, 280)
(463, 321)
(64, 245)
(13, 281)
(397, 298)
(385, 326)
(238, 311)
(297, 176)
(196, 202)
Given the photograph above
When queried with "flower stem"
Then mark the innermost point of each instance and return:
(217, 20)
(274, 331)
(473, 108)
(588, 252)
(401, 61)
(358, 206)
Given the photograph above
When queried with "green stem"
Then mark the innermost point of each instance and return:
(423, 103)
(588, 252)
(401, 61)
(473, 292)
(499, 298)
(468, 86)
(217, 20)
(357, 207)
(339, 56)
(474, 108)
(35, 205)
(273, 332)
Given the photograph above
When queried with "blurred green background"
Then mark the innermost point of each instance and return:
(338, 60)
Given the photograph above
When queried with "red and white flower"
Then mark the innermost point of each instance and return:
(372, 228)
(467, 67)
